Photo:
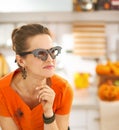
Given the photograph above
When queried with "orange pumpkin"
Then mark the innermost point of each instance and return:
(103, 69)
(115, 69)
(108, 92)
(110, 68)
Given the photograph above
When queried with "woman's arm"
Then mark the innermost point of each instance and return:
(7, 123)
(61, 123)
(46, 96)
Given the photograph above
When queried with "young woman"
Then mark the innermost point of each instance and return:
(33, 97)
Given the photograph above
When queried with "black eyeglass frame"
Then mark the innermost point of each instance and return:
(47, 51)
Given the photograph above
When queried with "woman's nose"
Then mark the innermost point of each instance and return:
(49, 57)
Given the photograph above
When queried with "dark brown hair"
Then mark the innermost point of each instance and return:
(20, 35)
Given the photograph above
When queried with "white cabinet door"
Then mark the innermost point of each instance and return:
(109, 115)
(78, 119)
(93, 120)
(84, 119)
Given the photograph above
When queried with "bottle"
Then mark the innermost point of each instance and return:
(100, 4)
(95, 4)
(76, 6)
(107, 5)
(86, 5)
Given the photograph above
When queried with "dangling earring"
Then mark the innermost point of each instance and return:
(24, 73)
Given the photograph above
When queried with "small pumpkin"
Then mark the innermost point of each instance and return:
(103, 69)
(115, 69)
(108, 92)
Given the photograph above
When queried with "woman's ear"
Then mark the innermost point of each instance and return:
(20, 61)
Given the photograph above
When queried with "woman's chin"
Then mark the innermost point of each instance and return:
(50, 74)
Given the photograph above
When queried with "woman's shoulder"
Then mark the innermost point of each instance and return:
(57, 79)
(6, 80)
(61, 84)
(4, 85)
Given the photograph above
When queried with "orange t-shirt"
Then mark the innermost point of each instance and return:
(11, 104)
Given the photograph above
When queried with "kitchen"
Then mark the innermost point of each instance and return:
(60, 19)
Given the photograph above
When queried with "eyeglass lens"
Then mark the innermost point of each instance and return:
(43, 54)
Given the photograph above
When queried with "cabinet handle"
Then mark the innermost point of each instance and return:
(97, 119)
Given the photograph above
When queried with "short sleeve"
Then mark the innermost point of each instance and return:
(66, 100)
(3, 108)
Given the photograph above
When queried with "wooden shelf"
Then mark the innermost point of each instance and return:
(104, 16)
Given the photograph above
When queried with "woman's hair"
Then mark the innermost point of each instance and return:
(20, 35)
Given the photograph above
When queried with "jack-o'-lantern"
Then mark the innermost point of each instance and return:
(108, 92)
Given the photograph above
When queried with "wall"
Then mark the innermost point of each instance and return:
(35, 5)
(61, 26)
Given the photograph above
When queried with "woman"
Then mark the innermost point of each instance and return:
(33, 97)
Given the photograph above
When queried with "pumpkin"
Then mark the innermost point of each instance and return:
(103, 69)
(110, 68)
(115, 69)
(117, 64)
(108, 92)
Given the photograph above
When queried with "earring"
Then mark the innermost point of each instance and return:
(24, 73)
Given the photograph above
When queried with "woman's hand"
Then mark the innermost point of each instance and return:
(46, 97)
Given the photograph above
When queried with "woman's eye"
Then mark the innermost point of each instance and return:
(42, 53)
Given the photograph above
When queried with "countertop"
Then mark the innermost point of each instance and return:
(86, 98)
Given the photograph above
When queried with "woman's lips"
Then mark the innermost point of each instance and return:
(48, 67)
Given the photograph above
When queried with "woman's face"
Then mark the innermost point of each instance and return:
(35, 66)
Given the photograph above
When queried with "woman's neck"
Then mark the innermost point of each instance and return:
(26, 89)
(29, 84)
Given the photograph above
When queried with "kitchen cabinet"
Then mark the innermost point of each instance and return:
(93, 120)
(85, 112)
(109, 115)
(78, 119)
(84, 119)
